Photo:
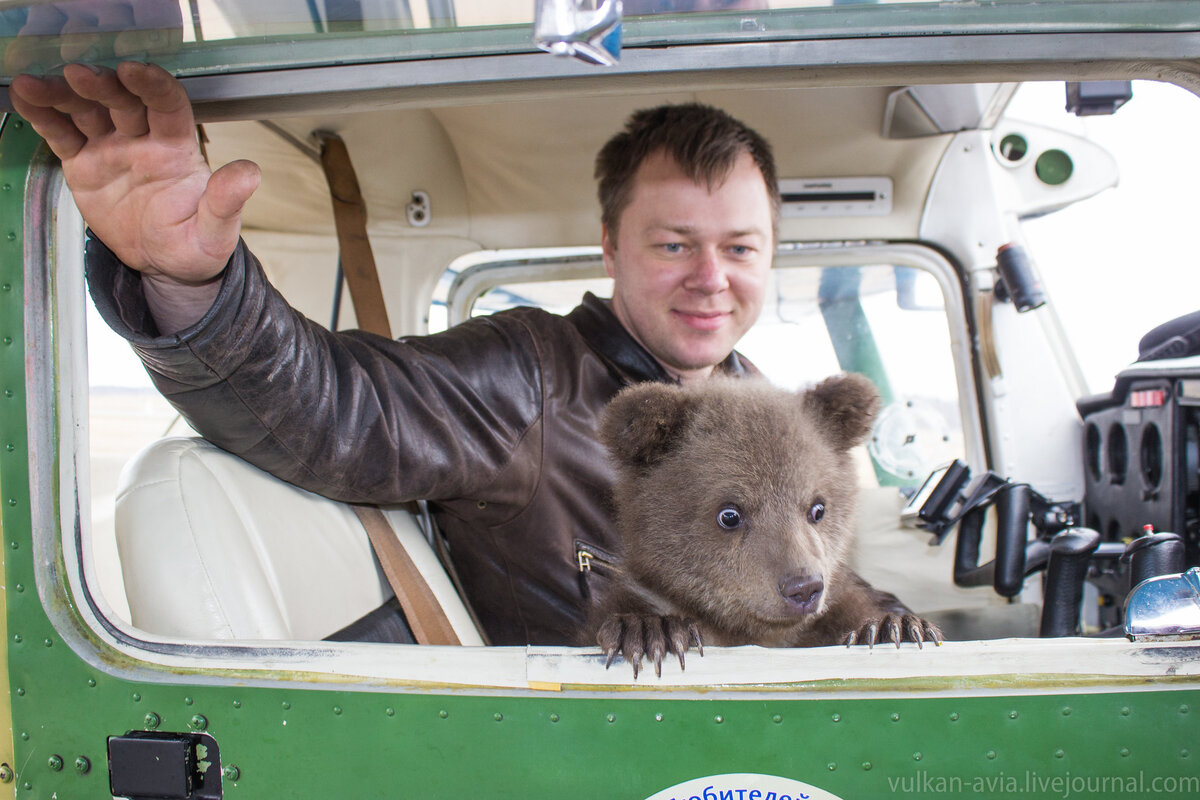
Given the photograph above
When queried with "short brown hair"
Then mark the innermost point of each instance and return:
(704, 141)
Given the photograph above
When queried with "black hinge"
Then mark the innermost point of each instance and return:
(154, 765)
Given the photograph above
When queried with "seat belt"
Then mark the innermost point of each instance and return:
(425, 615)
(428, 621)
(350, 219)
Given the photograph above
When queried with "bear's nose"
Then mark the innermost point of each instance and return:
(802, 592)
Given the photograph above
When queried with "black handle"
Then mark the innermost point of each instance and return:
(1012, 531)
(1155, 554)
(1070, 551)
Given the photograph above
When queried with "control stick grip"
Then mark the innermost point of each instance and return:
(1070, 551)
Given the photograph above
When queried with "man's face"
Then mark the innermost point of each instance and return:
(690, 263)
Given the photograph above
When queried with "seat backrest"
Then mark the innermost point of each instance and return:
(214, 548)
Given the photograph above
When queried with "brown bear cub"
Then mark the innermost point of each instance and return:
(736, 502)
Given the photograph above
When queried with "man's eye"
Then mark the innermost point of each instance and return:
(729, 518)
(673, 247)
(740, 250)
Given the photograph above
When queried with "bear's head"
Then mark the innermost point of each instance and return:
(735, 498)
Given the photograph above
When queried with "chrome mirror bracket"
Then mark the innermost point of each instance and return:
(1164, 608)
(584, 29)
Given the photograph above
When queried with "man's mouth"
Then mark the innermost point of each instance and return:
(702, 320)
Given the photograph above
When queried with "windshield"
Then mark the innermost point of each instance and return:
(207, 36)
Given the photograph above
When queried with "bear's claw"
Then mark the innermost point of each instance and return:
(633, 636)
(895, 628)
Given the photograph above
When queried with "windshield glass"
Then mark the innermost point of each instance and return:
(205, 36)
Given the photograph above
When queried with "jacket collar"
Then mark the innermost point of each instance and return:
(604, 333)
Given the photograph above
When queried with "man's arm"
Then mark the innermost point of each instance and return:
(351, 415)
(127, 142)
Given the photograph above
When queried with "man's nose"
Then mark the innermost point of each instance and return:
(708, 274)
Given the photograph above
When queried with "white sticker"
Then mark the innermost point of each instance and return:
(742, 786)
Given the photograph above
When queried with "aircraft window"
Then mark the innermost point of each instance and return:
(886, 321)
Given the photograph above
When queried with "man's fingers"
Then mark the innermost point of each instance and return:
(218, 217)
(126, 110)
(33, 99)
(168, 110)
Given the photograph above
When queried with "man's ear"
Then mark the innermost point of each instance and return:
(643, 423)
(845, 407)
(608, 247)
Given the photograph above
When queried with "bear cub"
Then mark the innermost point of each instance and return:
(735, 503)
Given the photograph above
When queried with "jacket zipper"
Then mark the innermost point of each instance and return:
(589, 559)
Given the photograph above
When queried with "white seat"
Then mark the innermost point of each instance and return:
(214, 548)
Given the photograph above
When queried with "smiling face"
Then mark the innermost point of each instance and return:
(690, 262)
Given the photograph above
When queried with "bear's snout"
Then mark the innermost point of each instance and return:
(802, 592)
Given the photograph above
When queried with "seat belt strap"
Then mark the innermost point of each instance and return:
(428, 621)
(350, 220)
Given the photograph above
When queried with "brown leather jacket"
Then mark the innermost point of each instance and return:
(493, 421)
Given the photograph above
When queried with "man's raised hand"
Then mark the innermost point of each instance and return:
(127, 141)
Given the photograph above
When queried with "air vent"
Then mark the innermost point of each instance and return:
(836, 197)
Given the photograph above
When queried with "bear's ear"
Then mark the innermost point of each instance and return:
(641, 424)
(845, 406)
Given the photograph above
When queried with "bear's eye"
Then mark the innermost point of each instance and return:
(816, 512)
(730, 518)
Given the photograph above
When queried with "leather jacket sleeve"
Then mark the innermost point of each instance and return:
(350, 415)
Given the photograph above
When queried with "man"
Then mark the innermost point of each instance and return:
(492, 421)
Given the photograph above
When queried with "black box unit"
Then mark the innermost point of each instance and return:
(1141, 453)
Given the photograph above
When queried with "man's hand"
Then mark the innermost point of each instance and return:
(127, 141)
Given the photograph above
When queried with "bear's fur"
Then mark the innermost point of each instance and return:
(736, 507)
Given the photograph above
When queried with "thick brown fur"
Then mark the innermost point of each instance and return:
(781, 460)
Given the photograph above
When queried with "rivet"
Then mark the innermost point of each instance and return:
(443, 714)
(1013, 714)
(954, 716)
(187, 701)
(917, 756)
(7, 287)
(1066, 712)
(231, 772)
(17, 638)
(6, 773)
(7, 187)
(19, 124)
(8, 392)
(20, 587)
(92, 682)
(1059, 753)
(1125, 711)
(498, 717)
(611, 718)
(83, 765)
(55, 762)
(198, 722)
(8, 340)
(12, 237)
(137, 697)
(866, 765)
(831, 766)
(27, 786)
(1184, 753)
(286, 705)
(24, 736)
(778, 718)
(10, 447)
(718, 719)
(991, 755)
(20, 692)
(895, 717)
(391, 712)
(1124, 751)
(151, 720)
(1183, 709)
(337, 710)
(237, 703)
(836, 718)
(555, 717)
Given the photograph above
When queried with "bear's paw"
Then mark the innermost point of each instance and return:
(895, 628)
(633, 636)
